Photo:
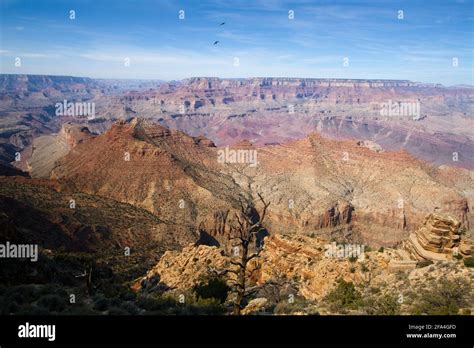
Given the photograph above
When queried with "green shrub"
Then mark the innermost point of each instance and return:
(381, 249)
(53, 302)
(443, 297)
(130, 308)
(156, 304)
(462, 230)
(375, 290)
(101, 304)
(128, 296)
(32, 310)
(469, 261)
(423, 263)
(22, 294)
(344, 296)
(383, 305)
(285, 307)
(212, 288)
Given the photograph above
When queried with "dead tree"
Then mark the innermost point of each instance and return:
(244, 230)
(87, 275)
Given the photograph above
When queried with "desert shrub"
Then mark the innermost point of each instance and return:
(364, 268)
(285, 307)
(49, 289)
(53, 302)
(212, 288)
(444, 297)
(9, 307)
(462, 230)
(209, 306)
(155, 304)
(423, 263)
(32, 310)
(383, 305)
(381, 249)
(344, 296)
(128, 296)
(101, 303)
(130, 308)
(22, 294)
(375, 290)
(469, 262)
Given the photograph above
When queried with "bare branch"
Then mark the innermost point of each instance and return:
(257, 254)
(222, 271)
(235, 263)
(265, 206)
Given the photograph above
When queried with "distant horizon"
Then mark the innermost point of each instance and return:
(171, 40)
(241, 78)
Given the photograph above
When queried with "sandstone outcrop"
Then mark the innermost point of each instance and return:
(438, 239)
(301, 260)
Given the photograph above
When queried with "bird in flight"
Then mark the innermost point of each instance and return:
(216, 42)
(222, 23)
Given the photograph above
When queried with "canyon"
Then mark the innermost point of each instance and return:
(164, 166)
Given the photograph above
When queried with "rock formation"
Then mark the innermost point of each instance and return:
(437, 239)
(314, 184)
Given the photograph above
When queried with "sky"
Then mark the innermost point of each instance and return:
(430, 41)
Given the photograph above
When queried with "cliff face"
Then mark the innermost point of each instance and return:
(295, 85)
(277, 110)
(39, 83)
(200, 93)
(314, 185)
(263, 110)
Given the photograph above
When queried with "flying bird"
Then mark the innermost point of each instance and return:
(216, 42)
(222, 23)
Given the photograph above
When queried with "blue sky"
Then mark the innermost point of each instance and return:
(419, 47)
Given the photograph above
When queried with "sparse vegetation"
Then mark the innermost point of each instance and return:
(212, 288)
(443, 297)
(343, 297)
(424, 263)
(469, 261)
(382, 305)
